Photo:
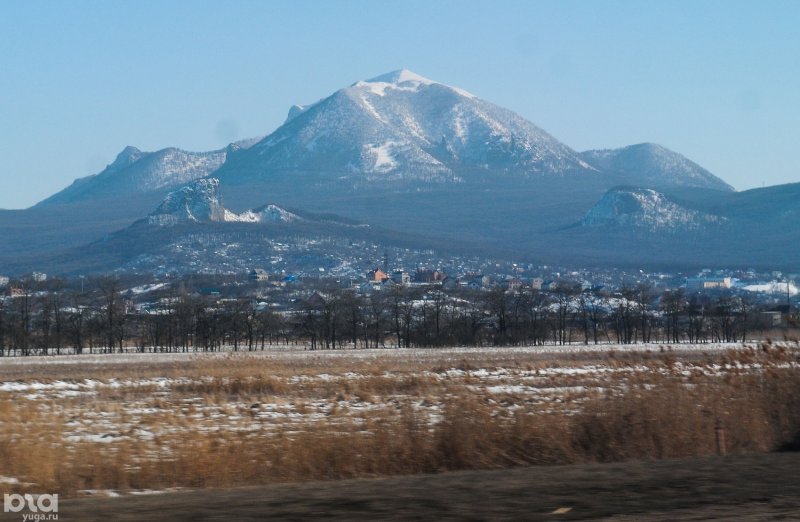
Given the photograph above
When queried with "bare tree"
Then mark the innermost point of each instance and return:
(113, 311)
(673, 306)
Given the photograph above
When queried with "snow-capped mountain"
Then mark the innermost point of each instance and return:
(200, 202)
(134, 171)
(646, 210)
(651, 165)
(403, 127)
(403, 153)
(391, 131)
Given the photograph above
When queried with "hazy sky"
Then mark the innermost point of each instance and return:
(718, 81)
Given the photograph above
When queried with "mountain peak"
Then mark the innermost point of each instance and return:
(647, 148)
(403, 80)
(129, 150)
(295, 111)
(129, 154)
(400, 76)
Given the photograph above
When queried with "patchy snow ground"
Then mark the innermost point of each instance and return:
(338, 388)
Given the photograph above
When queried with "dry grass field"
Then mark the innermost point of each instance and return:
(132, 424)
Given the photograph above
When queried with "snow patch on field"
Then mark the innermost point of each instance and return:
(115, 410)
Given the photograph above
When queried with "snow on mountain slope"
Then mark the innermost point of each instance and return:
(645, 210)
(401, 126)
(265, 214)
(651, 165)
(200, 202)
(134, 171)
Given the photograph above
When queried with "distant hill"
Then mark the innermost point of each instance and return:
(191, 231)
(647, 211)
(651, 165)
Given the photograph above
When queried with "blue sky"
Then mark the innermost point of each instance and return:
(718, 81)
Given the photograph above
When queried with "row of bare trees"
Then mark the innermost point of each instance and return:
(101, 320)
(406, 317)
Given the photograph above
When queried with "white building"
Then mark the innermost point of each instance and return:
(708, 283)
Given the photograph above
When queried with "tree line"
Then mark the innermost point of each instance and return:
(324, 316)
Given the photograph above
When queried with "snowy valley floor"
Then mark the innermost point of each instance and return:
(133, 424)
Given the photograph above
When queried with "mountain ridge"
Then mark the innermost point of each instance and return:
(134, 170)
(395, 129)
(405, 154)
